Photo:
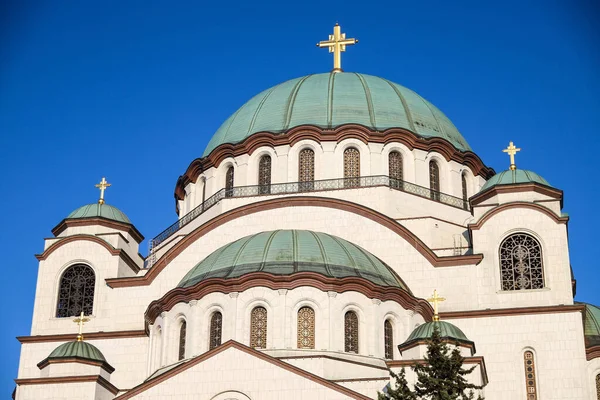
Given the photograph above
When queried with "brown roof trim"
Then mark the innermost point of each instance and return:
(386, 378)
(296, 201)
(503, 312)
(467, 344)
(109, 223)
(348, 131)
(467, 360)
(263, 279)
(517, 188)
(329, 357)
(229, 344)
(592, 352)
(88, 336)
(431, 217)
(517, 204)
(103, 364)
(91, 238)
(69, 379)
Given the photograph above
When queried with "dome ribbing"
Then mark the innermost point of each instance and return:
(510, 177)
(99, 210)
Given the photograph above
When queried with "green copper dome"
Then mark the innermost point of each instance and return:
(509, 177)
(100, 210)
(78, 349)
(285, 252)
(591, 325)
(448, 332)
(333, 99)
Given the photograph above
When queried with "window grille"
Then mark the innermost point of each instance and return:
(264, 175)
(521, 263)
(76, 291)
(182, 333)
(395, 169)
(465, 194)
(388, 339)
(258, 328)
(229, 182)
(351, 167)
(306, 328)
(216, 330)
(598, 386)
(306, 170)
(351, 332)
(434, 181)
(530, 376)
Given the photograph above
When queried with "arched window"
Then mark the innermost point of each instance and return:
(306, 170)
(264, 175)
(465, 194)
(351, 332)
(216, 330)
(434, 181)
(395, 169)
(521, 263)
(351, 167)
(530, 376)
(598, 386)
(306, 328)
(258, 328)
(76, 291)
(388, 333)
(182, 333)
(229, 182)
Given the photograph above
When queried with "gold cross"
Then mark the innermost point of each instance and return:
(102, 186)
(435, 299)
(336, 44)
(80, 321)
(511, 150)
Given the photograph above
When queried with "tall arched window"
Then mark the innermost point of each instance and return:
(521, 263)
(306, 328)
(182, 333)
(258, 328)
(351, 167)
(530, 376)
(229, 182)
(306, 170)
(216, 330)
(465, 194)
(351, 332)
(598, 386)
(395, 169)
(388, 333)
(434, 180)
(76, 291)
(264, 175)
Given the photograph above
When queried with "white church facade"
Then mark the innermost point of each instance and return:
(312, 230)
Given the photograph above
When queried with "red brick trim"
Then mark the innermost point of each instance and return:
(69, 379)
(109, 223)
(517, 204)
(503, 312)
(592, 352)
(517, 188)
(88, 336)
(106, 366)
(229, 344)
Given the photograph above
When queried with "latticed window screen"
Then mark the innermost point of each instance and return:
(76, 291)
(216, 330)
(351, 167)
(182, 333)
(306, 328)
(530, 376)
(258, 328)
(351, 332)
(264, 174)
(465, 194)
(598, 386)
(395, 169)
(306, 169)
(229, 182)
(388, 339)
(521, 263)
(434, 180)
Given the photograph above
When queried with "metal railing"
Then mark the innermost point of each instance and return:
(302, 187)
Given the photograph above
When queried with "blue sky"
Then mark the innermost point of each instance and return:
(134, 90)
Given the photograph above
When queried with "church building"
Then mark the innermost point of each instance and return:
(332, 222)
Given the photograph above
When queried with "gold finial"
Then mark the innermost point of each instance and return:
(436, 300)
(337, 44)
(80, 321)
(102, 186)
(511, 150)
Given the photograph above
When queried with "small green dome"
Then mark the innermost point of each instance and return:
(78, 349)
(330, 100)
(285, 252)
(99, 210)
(510, 177)
(448, 332)
(591, 325)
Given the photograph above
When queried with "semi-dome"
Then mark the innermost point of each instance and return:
(332, 99)
(591, 325)
(510, 177)
(99, 210)
(285, 252)
(448, 332)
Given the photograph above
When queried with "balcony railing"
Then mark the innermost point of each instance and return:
(312, 186)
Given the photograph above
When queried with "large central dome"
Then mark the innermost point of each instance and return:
(334, 99)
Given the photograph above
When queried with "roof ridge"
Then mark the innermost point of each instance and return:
(291, 101)
(369, 100)
(404, 104)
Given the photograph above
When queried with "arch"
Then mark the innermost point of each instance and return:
(517, 204)
(465, 190)
(258, 327)
(229, 182)
(388, 339)
(215, 330)
(396, 169)
(182, 338)
(434, 180)
(306, 169)
(351, 167)
(598, 386)
(264, 174)
(530, 375)
(306, 328)
(351, 332)
(76, 291)
(521, 262)
(230, 395)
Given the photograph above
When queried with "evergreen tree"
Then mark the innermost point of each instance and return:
(441, 377)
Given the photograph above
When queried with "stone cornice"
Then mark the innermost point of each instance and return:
(503, 312)
(296, 201)
(108, 223)
(592, 352)
(517, 204)
(348, 131)
(517, 188)
(69, 379)
(88, 336)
